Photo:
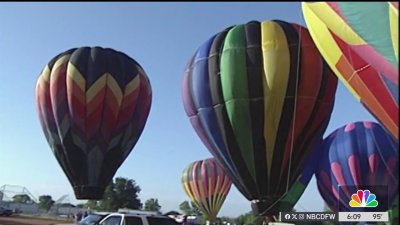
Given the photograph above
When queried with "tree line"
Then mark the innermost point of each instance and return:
(120, 193)
(123, 193)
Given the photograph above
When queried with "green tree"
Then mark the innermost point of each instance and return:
(92, 204)
(152, 205)
(45, 202)
(196, 210)
(123, 193)
(22, 198)
(185, 208)
(221, 220)
(190, 208)
(244, 219)
(249, 218)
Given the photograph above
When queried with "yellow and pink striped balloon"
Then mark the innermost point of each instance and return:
(207, 185)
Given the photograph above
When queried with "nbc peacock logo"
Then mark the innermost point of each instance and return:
(363, 199)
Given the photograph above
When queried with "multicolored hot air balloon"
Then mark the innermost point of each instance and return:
(355, 155)
(359, 41)
(207, 185)
(259, 95)
(290, 198)
(93, 104)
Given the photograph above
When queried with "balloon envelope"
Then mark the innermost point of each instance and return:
(93, 104)
(259, 95)
(290, 198)
(359, 41)
(207, 185)
(357, 154)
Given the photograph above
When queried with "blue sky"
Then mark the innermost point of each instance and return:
(161, 37)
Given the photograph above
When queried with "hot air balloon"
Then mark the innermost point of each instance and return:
(358, 156)
(359, 41)
(292, 196)
(93, 104)
(207, 185)
(259, 96)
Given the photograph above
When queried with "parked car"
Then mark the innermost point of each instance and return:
(93, 218)
(5, 212)
(137, 219)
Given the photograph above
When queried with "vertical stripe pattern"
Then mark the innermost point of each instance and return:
(357, 154)
(259, 95)
(207, 185)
